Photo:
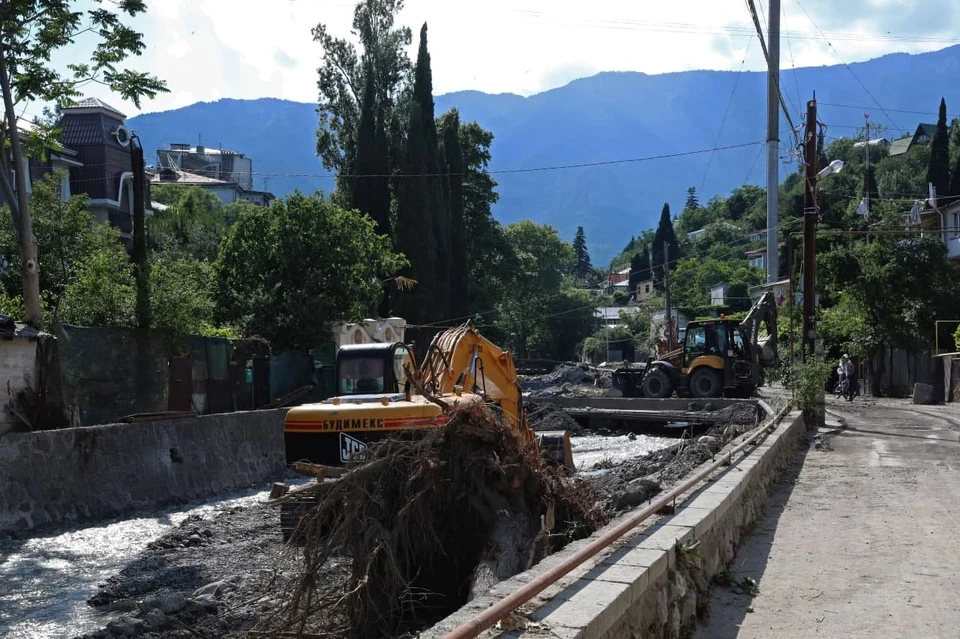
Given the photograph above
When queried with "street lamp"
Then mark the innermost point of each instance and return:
(834, 167)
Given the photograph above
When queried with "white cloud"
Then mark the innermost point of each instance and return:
(208, 49)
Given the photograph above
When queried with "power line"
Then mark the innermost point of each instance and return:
(843, 62)
(855, 106)
(726, 111)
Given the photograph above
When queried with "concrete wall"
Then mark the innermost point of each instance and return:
(94, 472)
(644, 586)
(18, 357)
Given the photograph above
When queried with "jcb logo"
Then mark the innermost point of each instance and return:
(349, 446)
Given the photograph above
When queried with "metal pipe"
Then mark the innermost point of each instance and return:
(490, 616)
(810, 211)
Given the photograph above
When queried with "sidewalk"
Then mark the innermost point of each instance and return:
(862, 536)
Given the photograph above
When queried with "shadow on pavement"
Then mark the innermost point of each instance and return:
(729, 605)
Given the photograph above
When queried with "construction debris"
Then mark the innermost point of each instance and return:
(425, 521)
(575, 380)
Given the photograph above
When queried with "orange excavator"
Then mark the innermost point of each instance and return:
(381, 391)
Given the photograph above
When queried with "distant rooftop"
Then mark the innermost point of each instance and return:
(185, 177)
(94, 105)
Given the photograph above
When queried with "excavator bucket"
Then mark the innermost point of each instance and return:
(555, 446)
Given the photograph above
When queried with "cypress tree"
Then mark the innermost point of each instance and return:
(459, 267)
(371, 187)
(433, 189)
(640, 267)
(938, 170)
(955, 158)
(870, 189)
(583, 267)
(666, 233)
(413, 224)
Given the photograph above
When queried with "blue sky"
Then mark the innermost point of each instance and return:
(211, 49)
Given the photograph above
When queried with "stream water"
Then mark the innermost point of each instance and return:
(45, 581)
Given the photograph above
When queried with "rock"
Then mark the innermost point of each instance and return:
(172, 603)
(150, 603)
(155, 619)
(125, 626)
(202, 603)
(195, 539)
(214, 589)
(923, 394)
(708, 442)
(636, 492)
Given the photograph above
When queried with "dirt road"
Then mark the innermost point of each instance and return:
(860, 539)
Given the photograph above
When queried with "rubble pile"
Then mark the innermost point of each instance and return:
(574, 380)
(630, 484)
(427, 521)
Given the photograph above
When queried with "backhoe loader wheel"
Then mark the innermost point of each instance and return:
(706, 382)
(656, 384)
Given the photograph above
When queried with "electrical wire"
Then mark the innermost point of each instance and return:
(726, 111)
(843, 62)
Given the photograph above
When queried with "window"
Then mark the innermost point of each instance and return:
(956, 226)
(361, 375)
(757, 261)
(401, 357)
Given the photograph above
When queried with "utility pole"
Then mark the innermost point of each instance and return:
(773, 140)
(666, 287)
(866, 163)
(810, 212)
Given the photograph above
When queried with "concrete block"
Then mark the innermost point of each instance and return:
(666, 536)
(652, 561)
(697, 517)
(593, 607)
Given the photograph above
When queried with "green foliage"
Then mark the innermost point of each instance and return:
(938, 169)
(193, 225)
(694, 276)
(460, 264)
(582, 267)
(806, 384)
(101, 291)
(68, 238)
(540, 261)
(342, 78)
(288, 271)
(665, 234)
(181, 300)
(597, 347)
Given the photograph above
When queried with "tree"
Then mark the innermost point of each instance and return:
(582, 267)
(33, 31)
(640, 267)
(693, 202)
(666, 234)
(886, 292)
(423, 223)
(68, 237)
(955, 158)
(285, 273)
(342, 79)
(459, 263)
(371, 181)
(870, 189)
(192, 225)
(938, 170)
(541, 259)
(181, 295)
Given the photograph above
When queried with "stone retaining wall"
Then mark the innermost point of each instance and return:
(95, 472)
(653, 584)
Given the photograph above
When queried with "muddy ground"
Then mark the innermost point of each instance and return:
(216, 577)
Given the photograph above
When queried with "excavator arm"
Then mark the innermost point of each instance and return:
(763, 311)
(463, 358)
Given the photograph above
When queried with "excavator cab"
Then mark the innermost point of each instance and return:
(364, 369)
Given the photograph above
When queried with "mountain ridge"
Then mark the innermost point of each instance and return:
(612, 116)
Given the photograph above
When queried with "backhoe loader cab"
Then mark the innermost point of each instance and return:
(718, 357)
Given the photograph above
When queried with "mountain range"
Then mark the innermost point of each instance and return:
(606, 151)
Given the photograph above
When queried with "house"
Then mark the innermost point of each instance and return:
(219, 164)
(943, 222)
(226, 191)
(610, 316)
(93, 151)
(758, 257)
(718, 294)
(882, 143)
(696, 235)
(228, 174)
(922, 135)
(756, 236)
(644, 290)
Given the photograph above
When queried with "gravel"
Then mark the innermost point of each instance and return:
(568, 380)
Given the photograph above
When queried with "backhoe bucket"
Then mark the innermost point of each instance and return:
(555, 446)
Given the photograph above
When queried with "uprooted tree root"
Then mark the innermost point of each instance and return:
(426, 520)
